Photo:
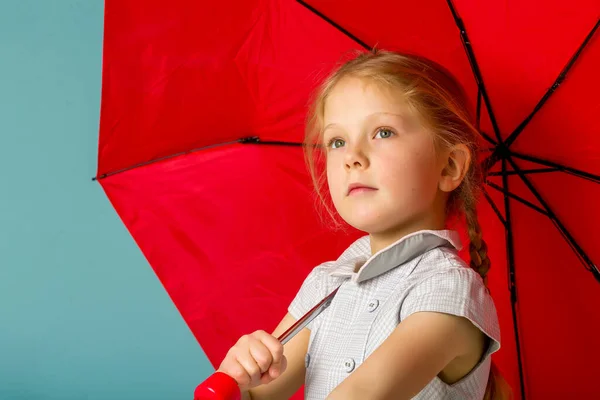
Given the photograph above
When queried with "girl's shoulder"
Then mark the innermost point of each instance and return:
(444, 261)
(444, 282)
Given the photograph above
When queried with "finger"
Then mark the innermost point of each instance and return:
(276, 370)
(261, 354)
(250, 366)
(237, 371)
(275, 347)
(266, 378)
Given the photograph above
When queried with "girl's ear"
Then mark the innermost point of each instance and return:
(455, 167)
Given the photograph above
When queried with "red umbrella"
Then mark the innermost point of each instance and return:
(203, 107)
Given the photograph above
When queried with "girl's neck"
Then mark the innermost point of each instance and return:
(380, 240)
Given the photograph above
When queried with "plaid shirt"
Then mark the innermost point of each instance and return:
(420, 272)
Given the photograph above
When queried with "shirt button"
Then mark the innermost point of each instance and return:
(349, 364)
(306, 360)
(373, 304)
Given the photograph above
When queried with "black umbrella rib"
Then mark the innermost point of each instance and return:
(487, 137)
(517, 198)
(561, 77)
(525, 171)
(334, 24)
(475, 68)
(559, 167)
(585, 259)
(478, 120)
(244, 140)
(257, 140)
(495, 157)
(154, 160)
(478, 110)
(494, 207)
(512, 279)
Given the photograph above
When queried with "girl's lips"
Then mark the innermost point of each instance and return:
(360, 191)
(357, 188)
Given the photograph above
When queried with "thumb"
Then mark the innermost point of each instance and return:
(276, 369)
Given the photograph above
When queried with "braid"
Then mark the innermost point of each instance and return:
(480, 261)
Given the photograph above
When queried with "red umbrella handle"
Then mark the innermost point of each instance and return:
(218, 386)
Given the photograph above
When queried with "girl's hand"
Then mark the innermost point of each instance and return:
(255, 359)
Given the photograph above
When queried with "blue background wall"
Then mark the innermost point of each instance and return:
(82, 315)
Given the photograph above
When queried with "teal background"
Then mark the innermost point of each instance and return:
(82, 315)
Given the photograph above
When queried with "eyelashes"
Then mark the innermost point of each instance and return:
(382, 132)
(388, 131)
(331, 143)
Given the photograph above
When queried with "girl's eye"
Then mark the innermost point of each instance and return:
(336, 143)
(383, 133)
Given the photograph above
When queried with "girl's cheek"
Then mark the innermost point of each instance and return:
(332, 179)
(333, 161)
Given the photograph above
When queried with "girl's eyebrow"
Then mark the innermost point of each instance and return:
(368, 117)
(331, 125)
(406, 120)
(386, 113)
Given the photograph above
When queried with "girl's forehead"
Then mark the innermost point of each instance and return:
(355, 101)
(351, 95)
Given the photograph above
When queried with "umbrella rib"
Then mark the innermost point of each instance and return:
(487, 137)
(584, 258)
(154, 160)
(475, 68)
(561, 77)
(245, 140)
(516, 197)
(559, 167)
(525, 171)
(257, 140)
(512, 280)
(494, 207)
(478, 120)
(334, 24)
(478, 115)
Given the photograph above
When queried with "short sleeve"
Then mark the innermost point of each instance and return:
(312, 291)
(457, 291)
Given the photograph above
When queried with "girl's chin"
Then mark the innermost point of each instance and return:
(369, 225)
(373, 224)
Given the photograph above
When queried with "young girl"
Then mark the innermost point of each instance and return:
(411, 319)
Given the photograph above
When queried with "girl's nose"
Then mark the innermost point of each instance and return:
(355, 158)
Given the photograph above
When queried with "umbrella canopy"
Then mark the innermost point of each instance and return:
(203, 108)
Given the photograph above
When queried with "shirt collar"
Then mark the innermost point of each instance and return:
(396, 254)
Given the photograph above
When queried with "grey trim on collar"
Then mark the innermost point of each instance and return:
(396, 254)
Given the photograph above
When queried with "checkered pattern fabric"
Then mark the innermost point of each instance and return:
(421, 272)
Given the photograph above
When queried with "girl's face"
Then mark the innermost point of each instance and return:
(382, 168)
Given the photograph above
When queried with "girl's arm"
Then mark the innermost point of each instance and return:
(418, 349)
(293, 377)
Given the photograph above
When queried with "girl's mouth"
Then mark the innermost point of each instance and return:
(359, 188)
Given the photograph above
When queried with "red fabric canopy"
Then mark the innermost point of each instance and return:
(230, 228)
